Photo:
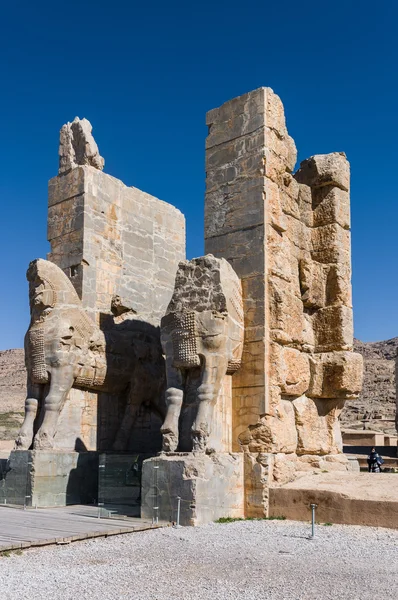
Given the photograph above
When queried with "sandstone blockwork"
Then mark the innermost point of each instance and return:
(247, 349)
(287, 235)
(65, 348)
(96, 306)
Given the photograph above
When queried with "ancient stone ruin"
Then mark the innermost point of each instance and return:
(227, 373)
(287, 237)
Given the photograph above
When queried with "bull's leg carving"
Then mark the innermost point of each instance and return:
(214, 369)
(174, 398)
(25, 435)
(61, 382)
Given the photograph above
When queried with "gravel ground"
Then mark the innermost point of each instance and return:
(250, 560)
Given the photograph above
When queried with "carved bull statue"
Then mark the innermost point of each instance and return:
(64, 348)
(202, 339)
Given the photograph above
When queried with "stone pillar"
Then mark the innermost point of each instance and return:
(120, 248)
(287, 237)
(247, 149)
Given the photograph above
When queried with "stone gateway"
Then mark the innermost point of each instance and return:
(227, 372)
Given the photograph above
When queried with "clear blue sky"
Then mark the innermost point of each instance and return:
(145, 73)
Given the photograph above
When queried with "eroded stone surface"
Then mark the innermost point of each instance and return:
(64, 348)
(202, 339)
(77, 146)
(120, 248)
(209, 487)
(287, 236)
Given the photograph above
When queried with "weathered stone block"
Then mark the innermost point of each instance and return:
(331, 205)
(45, 479)
(313, 430)
(253, 291)
(296, 372)
(252, 371)
(286, 314)
(281, 263)
(228, 210)
(248, 402)
(336, 375)
(258, 473)
(241, 249)
(210, 487)
(304, 201)
(313, 283)
(78, 147)
(338, 285)
(241, 116)
(333, 328)
(331, 244)
(284, 469)
(272, 433)
(325, 169)
(70, 185)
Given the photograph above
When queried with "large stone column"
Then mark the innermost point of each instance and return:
(287, 237)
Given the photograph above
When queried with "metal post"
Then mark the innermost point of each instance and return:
(178, 512)
(155, 517)
(313, 507)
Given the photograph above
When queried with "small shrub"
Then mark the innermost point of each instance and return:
(328, 524)
(229, 519)
(233, 519)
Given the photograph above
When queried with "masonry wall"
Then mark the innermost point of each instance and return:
(246, 148)
(113, 240)
(287, 237)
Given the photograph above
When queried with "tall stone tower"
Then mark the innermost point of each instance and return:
(288, 238)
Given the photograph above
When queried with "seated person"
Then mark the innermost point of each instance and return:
(374, 461)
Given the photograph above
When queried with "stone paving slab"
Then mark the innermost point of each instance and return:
(24, 528)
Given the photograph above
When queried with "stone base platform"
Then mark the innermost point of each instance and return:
(210, 487)
(348, 498)
(49, 478)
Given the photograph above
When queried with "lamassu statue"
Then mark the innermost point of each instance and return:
(64, 348)
(202, 339)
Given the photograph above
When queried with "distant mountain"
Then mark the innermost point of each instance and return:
(378, 398)
(12, 392)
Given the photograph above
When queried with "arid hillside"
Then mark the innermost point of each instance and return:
(377, 400)
(12, 392)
